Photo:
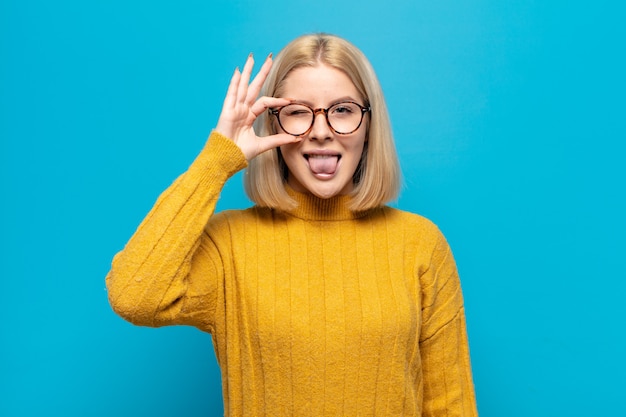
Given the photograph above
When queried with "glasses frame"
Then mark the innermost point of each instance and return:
(315, 112)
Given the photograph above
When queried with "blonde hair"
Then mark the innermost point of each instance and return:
(377, 177)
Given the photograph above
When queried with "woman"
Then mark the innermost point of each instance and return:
(321, 300)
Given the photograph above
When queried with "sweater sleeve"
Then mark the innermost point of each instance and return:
(444, 349)
(169, 271)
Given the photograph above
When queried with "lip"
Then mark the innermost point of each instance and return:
(321, 152)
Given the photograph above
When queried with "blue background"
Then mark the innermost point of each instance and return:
(509, 118)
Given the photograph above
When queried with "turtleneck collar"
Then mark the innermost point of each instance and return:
(311, 207)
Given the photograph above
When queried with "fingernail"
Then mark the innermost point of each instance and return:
(250, 55)
(270, 55)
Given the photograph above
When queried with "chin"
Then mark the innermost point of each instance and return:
(324, 195)
(326, 191)
(321, 188)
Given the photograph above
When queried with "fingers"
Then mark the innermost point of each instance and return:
(274, 141)
(255, 86)
(265, 103)
(242, 90)
(231, 93)
(241, 107)
(252, 149)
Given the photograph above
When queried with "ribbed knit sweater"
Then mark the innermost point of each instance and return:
(318, 311)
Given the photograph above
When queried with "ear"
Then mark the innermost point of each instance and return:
(367, 120)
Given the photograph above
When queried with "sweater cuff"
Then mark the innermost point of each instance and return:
(220, 156)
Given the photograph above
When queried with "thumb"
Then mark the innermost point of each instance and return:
(274, 141)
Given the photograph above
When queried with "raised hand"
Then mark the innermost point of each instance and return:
(241, 108)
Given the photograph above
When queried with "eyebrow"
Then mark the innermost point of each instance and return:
(332, 102)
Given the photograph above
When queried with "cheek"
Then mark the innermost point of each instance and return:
(360, 151)
(358, 145)
(289, 152)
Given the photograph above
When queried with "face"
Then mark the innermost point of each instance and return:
(324, 162)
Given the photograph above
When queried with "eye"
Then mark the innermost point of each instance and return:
(296, 111)
(343, 109)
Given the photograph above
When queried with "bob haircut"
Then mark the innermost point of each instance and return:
(377, 177)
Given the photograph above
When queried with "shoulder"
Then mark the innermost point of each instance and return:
(412, 222)
(417, 233)
(236, 218)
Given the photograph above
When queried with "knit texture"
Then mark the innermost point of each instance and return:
(315, 312)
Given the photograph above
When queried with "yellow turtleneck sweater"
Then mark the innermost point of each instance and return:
(314, 312)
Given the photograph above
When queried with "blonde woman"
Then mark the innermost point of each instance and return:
(321, 300)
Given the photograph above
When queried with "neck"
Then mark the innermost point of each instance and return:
(311, 207)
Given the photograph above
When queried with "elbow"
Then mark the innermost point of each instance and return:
(127, 303)
(128, 312)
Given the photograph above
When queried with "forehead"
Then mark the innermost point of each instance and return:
(320, 84)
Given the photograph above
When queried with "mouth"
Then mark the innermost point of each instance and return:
(323, 164)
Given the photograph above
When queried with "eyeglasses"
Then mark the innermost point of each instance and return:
(343, 118)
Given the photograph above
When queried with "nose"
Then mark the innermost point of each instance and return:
(320, 129)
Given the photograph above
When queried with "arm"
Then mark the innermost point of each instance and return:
(168, 272)
(448, 386)
(149, 282)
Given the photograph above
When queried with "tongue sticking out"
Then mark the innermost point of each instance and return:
(323, 164)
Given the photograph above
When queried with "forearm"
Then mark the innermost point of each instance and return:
(446, 370)
(444, 347)
(150, 274)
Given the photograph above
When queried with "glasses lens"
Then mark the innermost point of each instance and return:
(295, 119)
(345, 117)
